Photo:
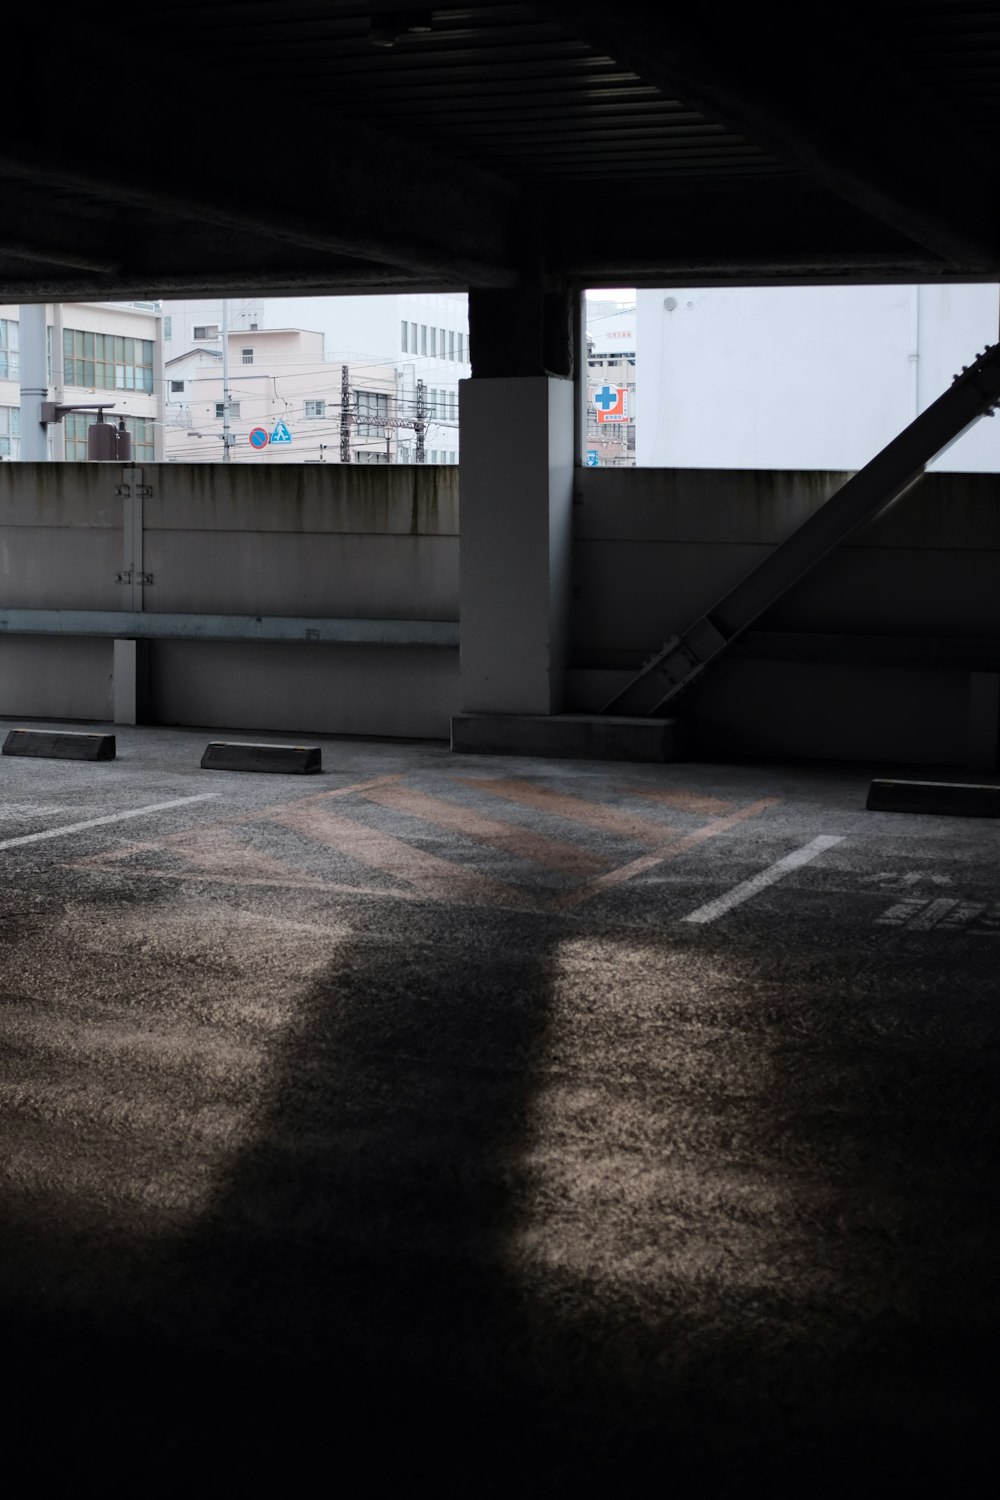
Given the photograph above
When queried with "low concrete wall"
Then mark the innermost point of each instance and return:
(320, 542)
(42, 678)
(656, 548)
(410, 692)
(652, 550)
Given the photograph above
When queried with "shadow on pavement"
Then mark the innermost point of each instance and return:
(724, 1293)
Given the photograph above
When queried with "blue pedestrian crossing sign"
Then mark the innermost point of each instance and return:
(592, 454)
(281, 434)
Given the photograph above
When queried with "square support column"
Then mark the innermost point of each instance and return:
(984, 720)
(131, 681)
(516, 501)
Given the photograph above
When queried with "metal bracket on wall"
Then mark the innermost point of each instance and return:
(974, 393)
(133, 493)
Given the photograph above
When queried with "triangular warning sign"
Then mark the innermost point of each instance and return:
(281, 434)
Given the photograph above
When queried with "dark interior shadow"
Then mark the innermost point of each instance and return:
(349, 1310)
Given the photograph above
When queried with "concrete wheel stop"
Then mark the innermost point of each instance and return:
(59, 744)
(948, 798)
(287, 760)
(566, 736)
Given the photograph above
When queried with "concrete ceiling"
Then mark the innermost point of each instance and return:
(328, 145)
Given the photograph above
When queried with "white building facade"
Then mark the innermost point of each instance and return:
(94, 350)
(804, 377)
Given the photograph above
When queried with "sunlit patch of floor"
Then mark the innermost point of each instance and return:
(122, 1118)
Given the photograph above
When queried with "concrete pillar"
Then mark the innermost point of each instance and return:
(131, 681)
(516, 467)
(515, 533)
(984, 720)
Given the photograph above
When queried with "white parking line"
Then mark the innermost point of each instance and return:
(119, 817)
(773, 873)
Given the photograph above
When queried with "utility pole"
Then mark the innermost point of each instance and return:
(34, 382)
(420, 425)
(225, 382)
(345, 414)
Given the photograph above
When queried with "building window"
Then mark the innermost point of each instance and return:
(107, 361)
(10, 430)
(220, 409)
(403, 342)
(76, 423)
(10, 358)
(315, 408)
(175, 386)
(423, 338)
(205, 331)
(168, 327)
(413, 338)
(404, 453)
(373, 409)
(247, 356)
(434, 341)
(451, 345)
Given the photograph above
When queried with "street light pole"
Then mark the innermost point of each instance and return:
(225, 382)
(34, 382)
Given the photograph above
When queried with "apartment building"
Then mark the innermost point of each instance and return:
(406, 354)
(93, 350)
(280, 387)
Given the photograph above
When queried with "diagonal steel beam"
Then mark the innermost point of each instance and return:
(973, 394)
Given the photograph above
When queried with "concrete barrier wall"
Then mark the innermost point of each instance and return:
(353, 542)
(322, 542)
(655, 548)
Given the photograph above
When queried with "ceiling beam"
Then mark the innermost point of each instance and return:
(128, 285)
(51, 255)
(778, 229)
(316, 181)
(806, 84)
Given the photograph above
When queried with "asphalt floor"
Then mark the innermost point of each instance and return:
(493, 1125)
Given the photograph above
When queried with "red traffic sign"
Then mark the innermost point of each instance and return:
(259, 438)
